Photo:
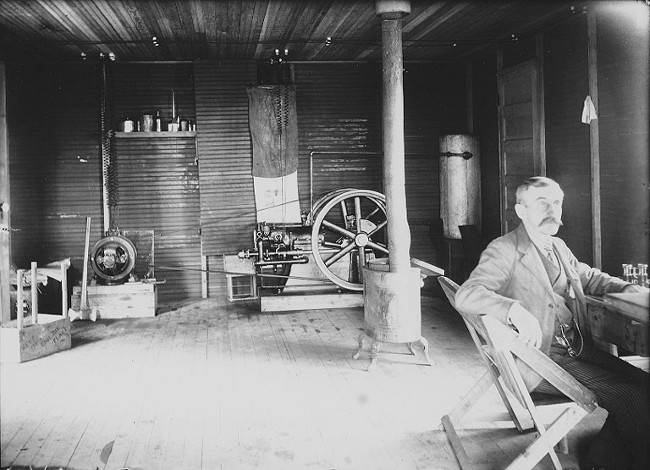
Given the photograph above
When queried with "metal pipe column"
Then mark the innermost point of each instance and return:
(399, 235)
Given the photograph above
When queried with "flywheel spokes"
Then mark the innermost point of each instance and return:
(350, 226)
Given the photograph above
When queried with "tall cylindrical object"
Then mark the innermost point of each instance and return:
(399, 235)
(460, 183)
(391, 304)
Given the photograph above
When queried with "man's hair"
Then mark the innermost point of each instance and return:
(534, 182)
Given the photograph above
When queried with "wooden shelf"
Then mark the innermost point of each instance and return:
(154, 135)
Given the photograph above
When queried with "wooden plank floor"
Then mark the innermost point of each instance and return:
(213, 385)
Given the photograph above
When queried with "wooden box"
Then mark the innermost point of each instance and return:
(241, 283)
(50, 335)
(129, 300)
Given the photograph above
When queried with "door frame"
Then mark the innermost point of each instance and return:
(538, 119)
(5, 221)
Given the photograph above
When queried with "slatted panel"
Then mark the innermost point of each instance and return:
(158, 177)
(225, 155)
(55, 161)
(623, 126)
(339, 119)
(159, 191)
(565, 78)
(225, 158)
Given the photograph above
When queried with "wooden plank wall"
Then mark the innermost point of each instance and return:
(339, 118)
(55, 165)
(623, 51)
(158, 177)
(486, 128)
(435, 104)
(225, 155)
(159, 191)
(622, 77)
(567, 138)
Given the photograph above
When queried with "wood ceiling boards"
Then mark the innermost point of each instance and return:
(186, 30)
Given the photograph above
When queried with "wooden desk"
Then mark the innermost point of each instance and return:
(621, 319)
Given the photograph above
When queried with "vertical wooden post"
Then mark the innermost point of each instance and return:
(502, 183)
(540, 115)
(34, 293)
(5, 207)
(594, 141)
(469, 94)
(204, 277)
(64, 289)
(84, 275)
(399, 235)
(19, 298)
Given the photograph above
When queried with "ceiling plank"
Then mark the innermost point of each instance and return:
(338, 14)
(271, 12)
(251, 29)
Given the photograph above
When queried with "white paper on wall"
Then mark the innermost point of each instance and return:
(276, 199)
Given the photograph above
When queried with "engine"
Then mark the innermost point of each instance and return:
(277, 249)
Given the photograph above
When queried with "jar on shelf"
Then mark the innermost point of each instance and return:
(128, 125)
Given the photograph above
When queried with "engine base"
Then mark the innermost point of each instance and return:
(315, 301)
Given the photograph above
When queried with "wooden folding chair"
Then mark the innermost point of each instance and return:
(498, 347)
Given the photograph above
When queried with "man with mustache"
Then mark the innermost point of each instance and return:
(531, 280)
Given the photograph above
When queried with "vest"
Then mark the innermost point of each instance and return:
(562, 297)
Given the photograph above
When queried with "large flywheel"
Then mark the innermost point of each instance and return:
(348, 224)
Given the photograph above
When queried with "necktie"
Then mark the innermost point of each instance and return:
(551, 263)
(550, 255)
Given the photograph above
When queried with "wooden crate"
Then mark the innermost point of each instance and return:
(50, 335)
(241, 283)
(129, 300)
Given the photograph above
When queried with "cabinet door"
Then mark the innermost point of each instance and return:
(521, 134)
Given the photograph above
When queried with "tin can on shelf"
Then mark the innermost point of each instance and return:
(146, 123)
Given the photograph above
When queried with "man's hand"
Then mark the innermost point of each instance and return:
(526, 324)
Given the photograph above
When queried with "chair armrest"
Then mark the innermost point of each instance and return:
(505, 338)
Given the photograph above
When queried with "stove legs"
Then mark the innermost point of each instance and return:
(375, 347)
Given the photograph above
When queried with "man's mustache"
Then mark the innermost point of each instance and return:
(551, 220)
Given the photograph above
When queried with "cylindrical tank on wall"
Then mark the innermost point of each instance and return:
(460, 183)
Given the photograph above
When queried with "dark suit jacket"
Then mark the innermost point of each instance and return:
(510, 271)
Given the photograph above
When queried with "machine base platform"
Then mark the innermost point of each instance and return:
(289, 302)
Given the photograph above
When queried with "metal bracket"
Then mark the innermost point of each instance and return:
(465, 155)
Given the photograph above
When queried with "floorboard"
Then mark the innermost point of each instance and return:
(217, 385)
